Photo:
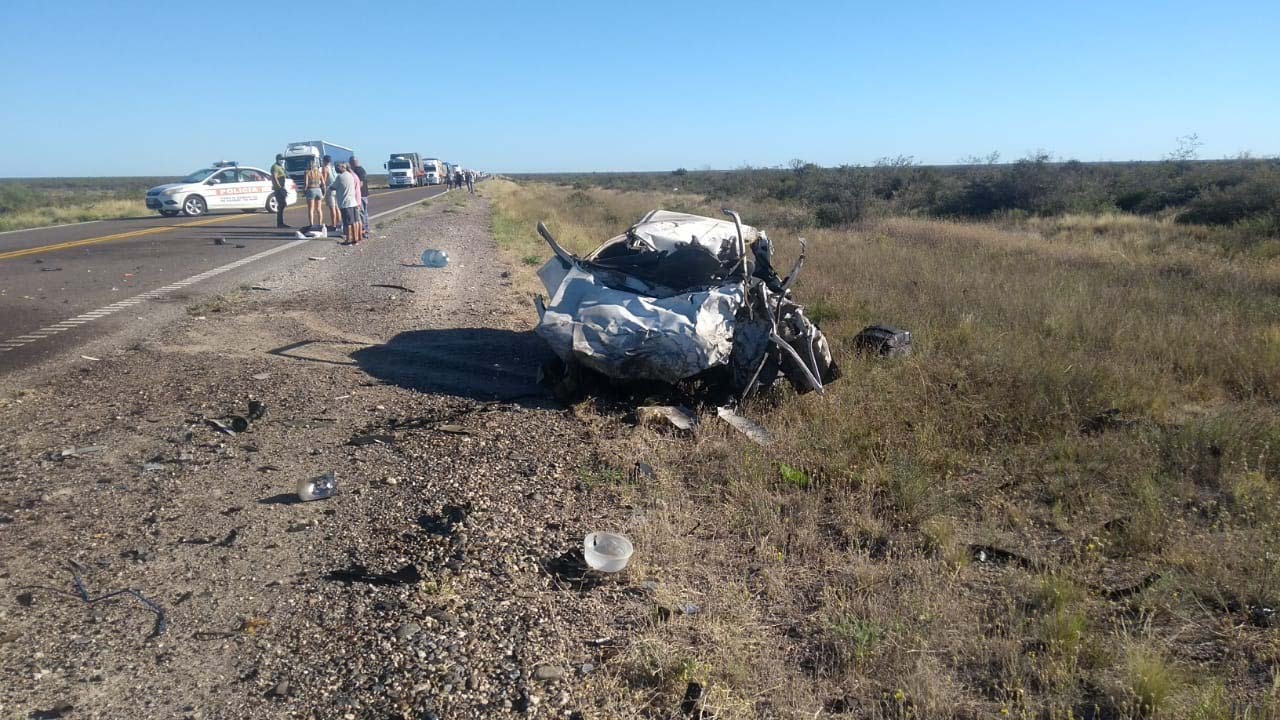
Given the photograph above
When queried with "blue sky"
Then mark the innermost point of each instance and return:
(131, 88)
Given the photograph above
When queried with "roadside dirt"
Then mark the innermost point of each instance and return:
(441, 580)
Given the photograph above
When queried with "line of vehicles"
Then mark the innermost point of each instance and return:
(227, 185)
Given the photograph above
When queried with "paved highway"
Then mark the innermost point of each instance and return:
(65, 288)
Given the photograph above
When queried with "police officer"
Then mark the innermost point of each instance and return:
(278, 177)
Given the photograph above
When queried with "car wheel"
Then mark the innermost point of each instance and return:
(194, 205)
(168, 213)
(273, 204)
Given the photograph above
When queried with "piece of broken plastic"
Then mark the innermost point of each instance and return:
(435, 258)
(317, 488)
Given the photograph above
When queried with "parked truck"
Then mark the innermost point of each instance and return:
(435, 171)
(299, 156)
(405, 170)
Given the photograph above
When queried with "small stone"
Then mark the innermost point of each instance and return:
(281, 689)
(407, 631)
(586, 668)
(546, 673)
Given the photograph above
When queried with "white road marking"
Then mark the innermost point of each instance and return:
(115, 307)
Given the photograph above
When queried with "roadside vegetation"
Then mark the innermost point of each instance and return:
(1239, 198)
(1064, 504)
(37, 202)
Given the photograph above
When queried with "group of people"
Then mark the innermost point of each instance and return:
(460, 179)
(337, 197)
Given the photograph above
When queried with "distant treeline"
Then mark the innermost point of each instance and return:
(1241, 192)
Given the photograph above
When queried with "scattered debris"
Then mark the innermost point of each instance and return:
(90, 357)
(317, 488)
(152, 467)
(361, 440)
(61, 709)
(407, 575)
(606, 552)
(435, 258)
(50, 269)
(999, 556)
(220, 426)
(83, 594)
(680, 296)
(239, 423)
(678, 417)
(77, 452)
(257, 409)
(392, 287)
(261, 287)
(746, 426)
(883, 341)
(220, 241)
(547, 673)
(313, 257)
(262, 376)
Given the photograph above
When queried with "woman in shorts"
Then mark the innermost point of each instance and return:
(315, 187)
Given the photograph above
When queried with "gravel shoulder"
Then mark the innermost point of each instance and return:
(439, 582)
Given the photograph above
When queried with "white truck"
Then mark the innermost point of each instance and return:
(435, 171)
(299, 156)
(405, 170)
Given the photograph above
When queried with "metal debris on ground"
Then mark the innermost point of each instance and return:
(746, 426)
(220, 426)
(78, 452)
(90, 357)
(391, 287)
(262, 376)
(678, 417)
(680, 297)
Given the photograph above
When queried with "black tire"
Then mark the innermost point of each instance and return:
(272, 204)
(194, 206)
(168, 213)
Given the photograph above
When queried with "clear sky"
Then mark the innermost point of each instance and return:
(160, 88)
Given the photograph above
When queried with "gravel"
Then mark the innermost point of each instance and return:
(430, 585)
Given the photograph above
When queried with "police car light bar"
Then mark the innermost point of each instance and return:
(227, 163)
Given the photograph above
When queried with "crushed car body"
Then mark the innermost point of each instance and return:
(679, 297)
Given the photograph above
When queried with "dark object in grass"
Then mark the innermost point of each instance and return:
(999, 556)
(392, 287)
(883, 341)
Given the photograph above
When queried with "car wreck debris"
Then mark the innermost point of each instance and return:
(681, 297)
(317, 488)
(883, 341)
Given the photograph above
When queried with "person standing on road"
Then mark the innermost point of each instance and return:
(330, 176)
(351, 170)
(279, 188)
(364, 195)
(457, 179)
(315, 194)
(471, 182)
(347, 196)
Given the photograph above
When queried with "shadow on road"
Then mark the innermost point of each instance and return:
(476, 363)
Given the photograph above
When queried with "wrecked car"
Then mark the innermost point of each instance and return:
(680, 297)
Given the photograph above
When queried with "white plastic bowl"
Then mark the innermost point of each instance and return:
(606, 552)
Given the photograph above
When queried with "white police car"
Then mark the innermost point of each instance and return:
(225, 186)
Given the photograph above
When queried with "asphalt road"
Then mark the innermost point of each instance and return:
(65, 289)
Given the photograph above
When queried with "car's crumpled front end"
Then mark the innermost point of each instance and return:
(678, 297)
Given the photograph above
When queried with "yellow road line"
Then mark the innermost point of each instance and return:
(117, 236)
(148, 231)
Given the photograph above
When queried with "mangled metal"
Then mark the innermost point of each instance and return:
(679, 297)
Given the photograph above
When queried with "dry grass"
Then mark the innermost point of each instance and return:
(1096, 397)
(58, 215)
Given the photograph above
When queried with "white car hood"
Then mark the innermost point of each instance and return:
(168, 186)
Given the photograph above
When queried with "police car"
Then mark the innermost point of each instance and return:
(225, 186)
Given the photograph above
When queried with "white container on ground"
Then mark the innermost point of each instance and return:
(606, 552)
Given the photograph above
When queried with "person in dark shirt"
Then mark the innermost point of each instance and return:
(359, 170)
